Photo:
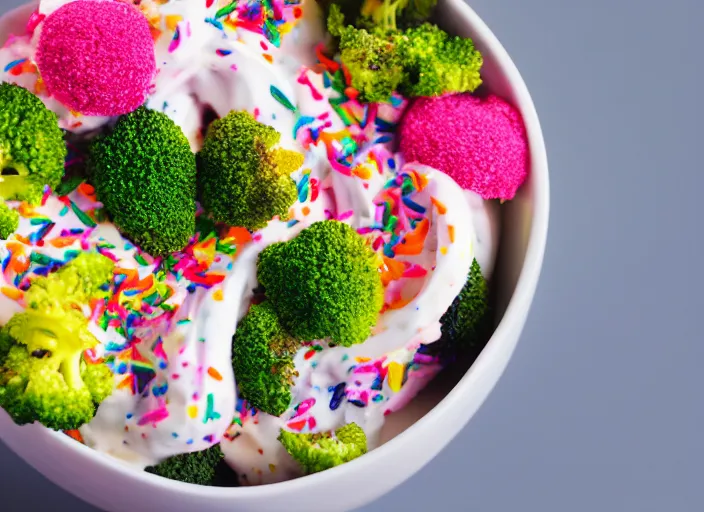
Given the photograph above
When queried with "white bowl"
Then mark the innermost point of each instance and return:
(412, 436)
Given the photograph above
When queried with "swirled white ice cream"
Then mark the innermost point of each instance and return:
(167, 330)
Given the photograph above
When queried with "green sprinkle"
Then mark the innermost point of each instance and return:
(279, 96)
(225, 11)
(140, 259)
(41, 259)
(68, 186)
(82, 216)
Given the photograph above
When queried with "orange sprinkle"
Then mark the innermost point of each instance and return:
(172, 20)
(87, 190)
(346, 72)
(239, 235)
(39, 86)
(60, 243)
(391, 270)
(26, 210)
(442, 209)
(12, 293)
(75, 435)
(305, 210)
(351, 93)
(268, 57)
(362, 171)
(156, 33)
(360, 359)
(214, 373)
(399, 303)
(413, 242)
(451, 233)
(217, 295)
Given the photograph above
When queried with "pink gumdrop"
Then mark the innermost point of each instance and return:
(480, 143)
(97, 56)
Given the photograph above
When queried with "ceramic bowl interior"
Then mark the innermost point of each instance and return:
(426, 425)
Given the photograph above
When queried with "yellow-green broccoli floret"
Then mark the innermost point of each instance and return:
(324, 283)
(243, 179)
(465, 323)
(206, 467)
(144, 173)
(9, 221)
(436, 63)
(318, 452)
(44, 376)
(420, 60)
(32, 148)
(262, 359)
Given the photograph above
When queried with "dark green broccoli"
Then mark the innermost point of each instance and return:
(43, 374)
(145, 175)
(324, 283)
(206, 467)
(436, 63)
(392, 15)
(32, 149)
(465, 323)
(262, 359)
(243, 180)
(421, 60)
(318, 452)
(9, 221)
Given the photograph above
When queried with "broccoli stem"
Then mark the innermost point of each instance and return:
(71, 370)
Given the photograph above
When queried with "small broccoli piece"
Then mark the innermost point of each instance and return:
(465, 323)
(200, 468)
(243, 180)
(32, 149)
(324, 283)
(262, 359)
(374, 64)
(318, 452)
(9, 221)
(145, 175)
(43, 374)
(436, 63)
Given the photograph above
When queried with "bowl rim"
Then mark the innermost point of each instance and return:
(514, 316)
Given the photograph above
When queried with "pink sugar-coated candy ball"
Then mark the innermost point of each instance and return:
(479, 142)
(97, 57)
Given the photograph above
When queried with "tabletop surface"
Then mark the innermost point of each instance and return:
(601, 406)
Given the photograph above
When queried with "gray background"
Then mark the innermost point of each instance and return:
(601, 408)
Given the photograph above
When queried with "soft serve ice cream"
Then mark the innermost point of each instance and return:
(165, 328)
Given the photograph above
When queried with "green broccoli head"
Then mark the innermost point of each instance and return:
(243, 180)
(465, 323)
(324, 283)
(205, 467)
(9, 221)
(374, 64)
(145, 175)
(43, 374)
(436, 63)
(32, 149)
(318, 452)
(262, 359)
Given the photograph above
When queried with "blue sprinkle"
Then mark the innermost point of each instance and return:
(214, 23)
(413, 205)
(13, 64)
(163, 365)
(174, 435)
(129, 415)
(392, 163)
(358, 403)
(190, 441)
(337, 396)
(383, 139)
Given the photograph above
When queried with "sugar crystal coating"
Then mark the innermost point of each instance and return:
(479, 142)
(97, 57)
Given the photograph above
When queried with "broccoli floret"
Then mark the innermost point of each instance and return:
(465, 323)
(318, 452)
(436, 63)
(145, 175)
(243, 180)
(374, 64)
(9, 221)
(262, 359)
(43, 374)
(201, 468)
(32, 149)
(324, 283)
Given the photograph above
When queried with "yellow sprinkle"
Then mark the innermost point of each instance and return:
(451, 233)
(192, 411)
(217, 295)
(272, 468)
(443, 250)
(12, 293)
(172, 20)
(395, 376)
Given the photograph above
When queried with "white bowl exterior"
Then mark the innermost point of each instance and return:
(416, 434)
